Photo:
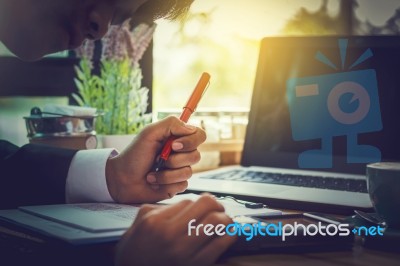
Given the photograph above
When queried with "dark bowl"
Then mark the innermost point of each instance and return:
(56, 126)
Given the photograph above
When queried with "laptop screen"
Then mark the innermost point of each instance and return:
(325, 103)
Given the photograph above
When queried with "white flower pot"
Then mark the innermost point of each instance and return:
(118, 142)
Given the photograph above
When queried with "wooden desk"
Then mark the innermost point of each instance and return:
(20, 247)
(358, 256)
(30, 248)
(372, 250)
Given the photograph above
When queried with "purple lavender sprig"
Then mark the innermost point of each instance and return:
(121, 43)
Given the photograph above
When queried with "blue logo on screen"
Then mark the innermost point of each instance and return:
(339, 104)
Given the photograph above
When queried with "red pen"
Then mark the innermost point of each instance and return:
(188, 110)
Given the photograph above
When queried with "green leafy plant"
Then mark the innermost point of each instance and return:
(116, 91)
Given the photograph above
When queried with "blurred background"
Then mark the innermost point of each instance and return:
(221, 37)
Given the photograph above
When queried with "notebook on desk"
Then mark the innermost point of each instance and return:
(93, 223)
(322, 108)
(78, 224)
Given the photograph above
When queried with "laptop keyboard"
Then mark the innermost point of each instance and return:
(344, 184)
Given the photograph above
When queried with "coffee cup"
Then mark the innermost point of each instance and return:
(383, 182)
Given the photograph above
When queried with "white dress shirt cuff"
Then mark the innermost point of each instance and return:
(86, 180)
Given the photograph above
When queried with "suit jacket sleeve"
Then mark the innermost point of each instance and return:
(33, 174)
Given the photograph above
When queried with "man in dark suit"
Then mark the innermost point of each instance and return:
(32, 174)
(35, 174)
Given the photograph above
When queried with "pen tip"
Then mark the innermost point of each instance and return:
(159, 165)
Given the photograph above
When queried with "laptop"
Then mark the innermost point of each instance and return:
(322, 109)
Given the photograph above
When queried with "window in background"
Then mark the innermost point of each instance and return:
(222, 37)
(377, 17)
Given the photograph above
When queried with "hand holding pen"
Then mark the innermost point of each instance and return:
(127, 174)
(188, 109)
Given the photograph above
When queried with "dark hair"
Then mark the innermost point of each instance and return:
(168, 9)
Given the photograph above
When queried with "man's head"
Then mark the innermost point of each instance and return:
(34, 28)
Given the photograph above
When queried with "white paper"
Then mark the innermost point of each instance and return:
(92, 217)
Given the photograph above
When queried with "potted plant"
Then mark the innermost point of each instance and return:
(116, 90)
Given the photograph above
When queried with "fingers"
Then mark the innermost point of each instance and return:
(171, 125)
(214, 223)
(197, 218)
(170, 176)
(179, 129)
(168, 191)
(144, 210)
(189, 142)
(188, 136)
(213, 250)
(128, 176)
(166, 212)
(178, 160)
(178, 169)
(161, 192)
(198, 210)
(157, 227)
